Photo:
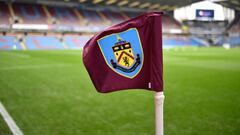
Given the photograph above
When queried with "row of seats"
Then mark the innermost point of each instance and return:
(172, 41)
(231, 40)
(206, 27)
(42, 42)
(234, 41)
(169, 22)
(40, 14)
(39, 42)
(235, 27)
(9, 43)
(63, 16)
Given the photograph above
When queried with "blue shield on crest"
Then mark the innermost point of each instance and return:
(123, 52)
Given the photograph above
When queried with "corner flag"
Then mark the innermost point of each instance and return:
(127, 55)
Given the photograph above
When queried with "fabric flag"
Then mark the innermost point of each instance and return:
(127, 55)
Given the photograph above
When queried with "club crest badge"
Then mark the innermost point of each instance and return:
(123, 52)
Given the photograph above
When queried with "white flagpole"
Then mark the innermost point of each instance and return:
(159, 99)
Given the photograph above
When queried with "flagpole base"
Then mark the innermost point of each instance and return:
(159, 99)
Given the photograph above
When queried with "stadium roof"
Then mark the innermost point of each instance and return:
(166, 5)
(234, 4)
(131, 4)
(143, 4)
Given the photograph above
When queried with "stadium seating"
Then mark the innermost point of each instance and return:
(114, 17)
(42, 43)
(233, 33)
(132, 14)
(178, 41)
(91, 17)
(234, 28)
(206, 27)
(169, 23)
(75, 42)
(89, 20)
(9, 43)
(39, 42)
(64, 16)
(234, 41)
(30, 14)
(4, 15)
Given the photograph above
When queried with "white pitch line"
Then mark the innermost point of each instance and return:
(10, 122)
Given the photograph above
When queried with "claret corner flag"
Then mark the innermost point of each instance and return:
(127, 55)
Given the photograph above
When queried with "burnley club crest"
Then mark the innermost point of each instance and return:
(123, 52)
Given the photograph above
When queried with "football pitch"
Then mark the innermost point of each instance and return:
(50, 93)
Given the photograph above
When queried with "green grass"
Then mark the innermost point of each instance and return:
(50, 93)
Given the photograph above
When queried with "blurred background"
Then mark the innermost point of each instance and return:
(46, 90)
(68, 24)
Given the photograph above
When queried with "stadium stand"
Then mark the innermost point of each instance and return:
(234, 41)
(29, 13)
(91, 17)
(132, 14)
(9, 43)
(234, 28)
(114, 17)
(34, 42)
(206, 27)
(84, 21)
(233, 33)
(64, 16)
(170, 23)
(75, 42)
(179, 40)
(4, 15)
